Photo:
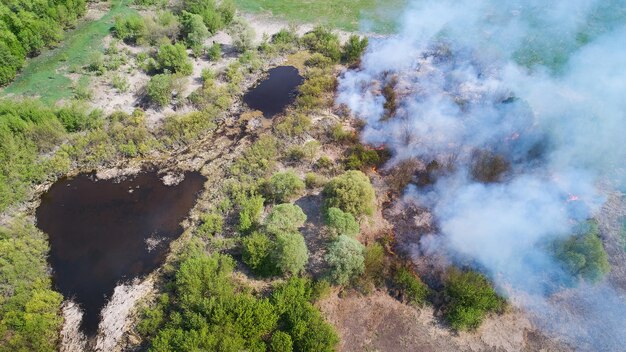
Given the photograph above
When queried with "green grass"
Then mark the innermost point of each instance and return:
(46, 75)
(369, 15)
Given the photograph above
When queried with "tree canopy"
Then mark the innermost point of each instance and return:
(351, 192)
(470, 297)
(345, 258)
(205, 310)
(341, 223)
(284, 218)
(284, 186)
(27, 26)
(290, 254)
(582, 255)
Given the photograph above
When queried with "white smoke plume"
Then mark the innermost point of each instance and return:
(542, 83)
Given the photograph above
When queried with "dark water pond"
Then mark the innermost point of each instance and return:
(275, 92)
(103, 232)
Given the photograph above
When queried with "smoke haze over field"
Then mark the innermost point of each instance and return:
(541, 83)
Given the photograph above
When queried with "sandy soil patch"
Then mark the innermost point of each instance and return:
(378, 322)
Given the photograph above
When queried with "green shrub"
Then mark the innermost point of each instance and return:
(375, 267)
(324, 163)
(306, 326)
(323, 41)
(214, 52)
(470, 297)
(354, 48)
(258, 159)
(412, 289)
(193, 28)
(582, 255)
(30, 311)
(313, 180)
(316, 91)
(129, 28)
(82, 91)
(351, 192)
(160, 89)
(281, 342)
(284, 186)
(284, 41)
(290, 254)
(319, 61)
(96, 63)
(242, 35)
(187, 128)
(341, 223)
(360, 158)
(212, 224)
(256, 253)
(174, 58)
(249, 212)
(74, 117)
(284, 218)
(345, 259)
(295, 153)
(120, 83)
(338, 134)
(293, 125)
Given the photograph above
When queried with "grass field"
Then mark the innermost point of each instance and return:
(369, 15)
(46, 75)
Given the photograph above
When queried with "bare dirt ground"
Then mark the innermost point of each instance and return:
(379, 322)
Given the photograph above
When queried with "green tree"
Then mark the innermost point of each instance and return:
(28, 26)
(414, 291)
(351, 192)
(345, 259)
(215, 52)
(160, 89)
(284, 186)
(212, 224)
(582, 254)
(129, 28)
(256, 250)
(242, 35)
(354, 48)
(281, 342)
(29, 313)
(341, 223)
(250, 210)
(290, 254)
(194, 29)
(284, 218)
(323, 41)
(470, 297)
(174, 58)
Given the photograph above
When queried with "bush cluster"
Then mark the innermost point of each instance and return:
(469, 297)
(207, 311)
(27, 26)
(351, 192)
(582, 255)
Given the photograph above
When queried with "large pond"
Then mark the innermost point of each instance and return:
(104, 232)
(274, 93)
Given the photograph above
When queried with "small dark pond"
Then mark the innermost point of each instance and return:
(275, 92)
(103, 232)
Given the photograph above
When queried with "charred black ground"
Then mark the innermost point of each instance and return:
(275, 92)
(99, 232)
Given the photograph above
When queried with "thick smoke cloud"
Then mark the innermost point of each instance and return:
(541, 83)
